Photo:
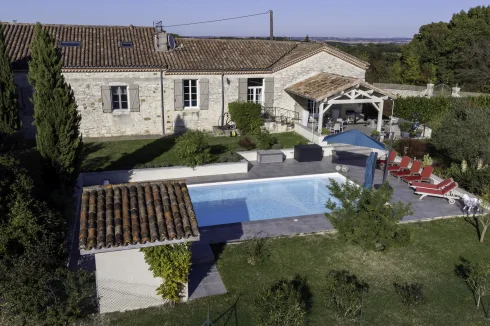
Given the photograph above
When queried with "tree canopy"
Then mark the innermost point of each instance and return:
(9, 107)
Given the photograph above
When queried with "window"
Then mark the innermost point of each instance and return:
(255, 87)
(119, 97)
(128, 44)
(190, 93)
(70, 43)
(311, 105)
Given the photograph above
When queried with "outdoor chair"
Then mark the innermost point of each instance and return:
(424, 176)
(446, 193)
(440, 185)
(414, 169)
(402, 166)
(337, 128)
(470, 204)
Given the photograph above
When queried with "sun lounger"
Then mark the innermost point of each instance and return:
(402, 166)
(424, 176)
(440, 185)
(414, 169)
(446, 193)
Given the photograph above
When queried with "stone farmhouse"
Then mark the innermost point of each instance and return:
(133, 81)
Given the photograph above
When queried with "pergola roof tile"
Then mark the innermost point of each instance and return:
(324, 85)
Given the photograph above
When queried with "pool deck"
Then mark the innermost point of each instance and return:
(428, 208)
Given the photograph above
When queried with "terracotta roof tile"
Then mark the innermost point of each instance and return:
(100, 48)
(123, 216)
(324, 85)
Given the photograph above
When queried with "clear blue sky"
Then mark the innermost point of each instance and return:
(342, 18)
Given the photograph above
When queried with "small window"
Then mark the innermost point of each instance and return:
(190, 93)
(128, 44)
(255, 88)
(70, 43)
(119, 96)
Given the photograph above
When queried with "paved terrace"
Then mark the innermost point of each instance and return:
(429, 207)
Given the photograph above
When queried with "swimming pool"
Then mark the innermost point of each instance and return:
(262, 199)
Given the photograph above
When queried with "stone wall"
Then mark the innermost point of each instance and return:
(177, 121)
(95, 123)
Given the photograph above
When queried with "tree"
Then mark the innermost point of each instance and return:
(344, 292)
(464, 135)
(193, 148)
(366, 217)
(9, 106)
(55, 112)
(474, 66)
(476, 276)
(307, 38)
(411, 72)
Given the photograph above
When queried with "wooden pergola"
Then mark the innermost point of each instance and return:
(327, 89)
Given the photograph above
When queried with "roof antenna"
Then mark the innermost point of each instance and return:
(158, 26)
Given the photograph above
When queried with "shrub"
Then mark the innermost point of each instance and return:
(193, 148)
(427, 160)
(258, 251)
(411, 294)
(344, 291)
(264, 139)
(287, 302)
(471, 179)
(375, 133)
(172, 263)
(324, 131)
(405, 126)
(411, 147)
(276, 146)
(230, 157)
(246, 116)
(246, 143)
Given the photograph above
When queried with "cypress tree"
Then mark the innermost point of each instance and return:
(9, 106)
(56, 117)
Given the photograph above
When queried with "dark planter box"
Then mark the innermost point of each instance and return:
(308, 153)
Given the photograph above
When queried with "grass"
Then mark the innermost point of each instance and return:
(429, 259)
(128, 154)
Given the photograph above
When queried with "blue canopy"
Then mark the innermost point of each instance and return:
(355, 137)
(370, 170)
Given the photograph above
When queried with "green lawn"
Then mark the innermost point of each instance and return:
(430, 259)
(128, 154)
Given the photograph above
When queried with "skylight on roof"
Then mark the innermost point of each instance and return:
(128, 44)
(70, 43)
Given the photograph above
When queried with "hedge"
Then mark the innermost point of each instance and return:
(246, 116)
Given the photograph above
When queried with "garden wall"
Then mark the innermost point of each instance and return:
(153, 174)
(125, 283)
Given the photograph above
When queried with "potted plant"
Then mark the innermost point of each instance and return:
(375, 134)
(405, 128)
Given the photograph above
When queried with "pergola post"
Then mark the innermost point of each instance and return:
(320, 117)
(380, 116)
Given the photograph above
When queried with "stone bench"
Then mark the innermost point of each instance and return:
(270, 156)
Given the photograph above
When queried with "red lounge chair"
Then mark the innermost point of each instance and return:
(381, 163)
(422, 177)
(446, 192)
(402, 166)
(440, 185)
(414, 169)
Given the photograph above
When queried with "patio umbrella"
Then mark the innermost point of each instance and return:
(370, 170)
(356, 138)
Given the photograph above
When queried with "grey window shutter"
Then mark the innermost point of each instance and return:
(178, 99)
(269, 92)
(106, 99)
(204, 93)
(242, 89)
(134, 97)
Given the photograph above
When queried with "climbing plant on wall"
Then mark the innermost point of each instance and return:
(172, 263)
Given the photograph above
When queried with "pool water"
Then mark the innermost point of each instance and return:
(263, 199)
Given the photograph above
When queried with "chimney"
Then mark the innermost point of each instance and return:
(455, 92)
(430, 90)
(161, 42)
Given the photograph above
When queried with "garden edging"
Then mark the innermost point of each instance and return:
(153, 174)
